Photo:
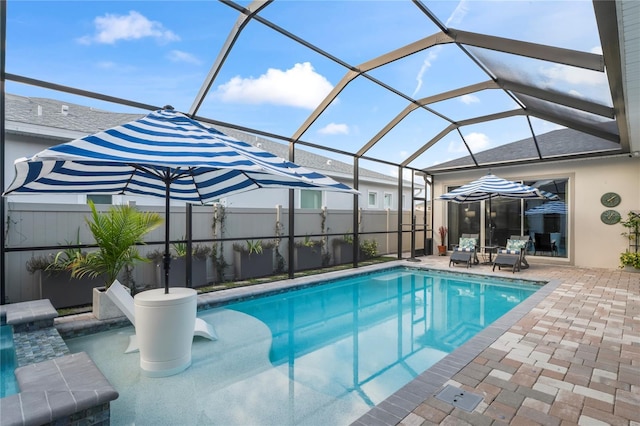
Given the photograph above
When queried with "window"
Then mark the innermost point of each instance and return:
(100, 199)
(388, 200)
(373, 199)
(504, 217)
(310, 199)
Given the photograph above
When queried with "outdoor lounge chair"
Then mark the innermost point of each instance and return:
(466, 251)
(512, 255)
(123, 300)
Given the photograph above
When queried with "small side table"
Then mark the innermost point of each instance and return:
(488, 250)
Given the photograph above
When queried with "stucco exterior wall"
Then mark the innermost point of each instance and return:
(590, 242)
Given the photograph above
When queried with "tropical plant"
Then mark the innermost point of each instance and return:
(60, 261)
(116, 232)
(308, 242)
(632, 223)
(252, 246)
(443, 234)
(198, 252)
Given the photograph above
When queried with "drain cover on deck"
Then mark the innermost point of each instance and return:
(459, 398)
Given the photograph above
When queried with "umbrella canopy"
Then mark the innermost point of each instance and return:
(164, 154)
(552, 207)
(491, 186)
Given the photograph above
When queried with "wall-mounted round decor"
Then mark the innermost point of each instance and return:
(610, 217)
(610, 199)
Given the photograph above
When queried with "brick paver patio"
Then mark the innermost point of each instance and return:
(573, 359)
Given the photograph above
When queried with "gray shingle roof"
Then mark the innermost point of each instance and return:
(561, 142)
(48, 112)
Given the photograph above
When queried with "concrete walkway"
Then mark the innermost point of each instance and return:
(573, 359)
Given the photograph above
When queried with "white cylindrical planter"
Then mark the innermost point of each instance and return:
(164, 329)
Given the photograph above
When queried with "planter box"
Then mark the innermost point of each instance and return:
(103, 307)
(629, 268)
(307, 258)
(342, 253)
(246, 266)
(64, 291)
(178, 273)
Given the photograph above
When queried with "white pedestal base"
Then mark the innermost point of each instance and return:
(164, 330)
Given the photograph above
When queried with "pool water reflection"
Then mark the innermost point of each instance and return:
(321, 355)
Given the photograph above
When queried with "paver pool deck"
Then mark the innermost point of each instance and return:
(572, 356)
(572, 359)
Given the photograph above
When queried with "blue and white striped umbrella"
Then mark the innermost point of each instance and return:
(163, 149)
(491, 186)
(552, 207)
(164, 154)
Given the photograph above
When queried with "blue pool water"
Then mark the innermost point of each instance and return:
(8, 384)
(320, 355)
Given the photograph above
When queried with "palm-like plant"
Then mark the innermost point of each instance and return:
(116, 232)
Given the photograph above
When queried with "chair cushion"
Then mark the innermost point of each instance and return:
(515, 245)
(467, 244)
(507, 251)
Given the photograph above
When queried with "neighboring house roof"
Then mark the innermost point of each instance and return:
(52, 113)
(557, 143)
(49, 113)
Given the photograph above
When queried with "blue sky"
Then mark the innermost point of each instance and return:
(159, 52)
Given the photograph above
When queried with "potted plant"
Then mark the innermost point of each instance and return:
(442, 248)
(56, 282)
(307, 254)
(252, 259)
(116, 231)
(177, 271)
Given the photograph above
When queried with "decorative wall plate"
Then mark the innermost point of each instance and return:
(610, 217)
(610, 199)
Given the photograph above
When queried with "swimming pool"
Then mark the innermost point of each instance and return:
(319, 355)
(8, 383)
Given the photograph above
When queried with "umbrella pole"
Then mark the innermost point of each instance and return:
(167, 254)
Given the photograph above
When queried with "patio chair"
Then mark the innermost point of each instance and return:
(511, 255)
(466, 251)
(123, 300)
(543, 243)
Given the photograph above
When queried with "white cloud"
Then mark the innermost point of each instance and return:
(597, 50)
(573, 75)
(469, 99)
(299, 86)
(458, 14)
(334, 129)
(111, 28)
(432, 55)
(476, 141)
(180, 56)
(456, 18)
